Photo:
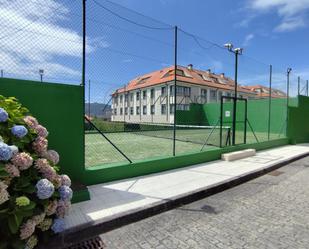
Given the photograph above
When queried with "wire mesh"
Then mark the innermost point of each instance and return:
(204, 74)
(137, 106)
(133, 53)
(41, 41)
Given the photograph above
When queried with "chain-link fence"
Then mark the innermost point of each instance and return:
(151, 89)
(41, 40)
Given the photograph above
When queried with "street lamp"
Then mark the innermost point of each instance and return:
(236, 51)
(41, 72)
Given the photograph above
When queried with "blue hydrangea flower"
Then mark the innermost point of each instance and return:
(3, 115)
(19, 131)
(58, 225)
(45, 189)
(5, 152)
(65, 193)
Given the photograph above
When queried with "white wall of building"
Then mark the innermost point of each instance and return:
(158, 101)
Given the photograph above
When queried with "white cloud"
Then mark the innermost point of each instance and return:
(290, 24)
(35, 35)
(291, 12)
(247, 40)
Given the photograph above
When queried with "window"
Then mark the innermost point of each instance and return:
(213, 95)
(179, 107)
(144, 110)
(126, 97)
(144, 94)
(131, 96)
(126, 111)
(121, 111)
(187, 91)
(163, 109)
(219, 95)
(116, 100)
(171, 108)
(137, 110)
(181, 90)
(115, 111)
(204, 93)
(152, 93)
(137, 96)
(131, 110)
(152, 109)
(163, 91)
(121, 98)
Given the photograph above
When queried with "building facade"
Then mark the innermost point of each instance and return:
(150, 98)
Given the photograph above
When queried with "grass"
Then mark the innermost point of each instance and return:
(152, 144)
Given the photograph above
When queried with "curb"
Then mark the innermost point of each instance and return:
(91, 229)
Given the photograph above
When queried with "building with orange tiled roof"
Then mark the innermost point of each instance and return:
(150, 98)
(264, 92)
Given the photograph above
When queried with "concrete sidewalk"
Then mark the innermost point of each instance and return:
(150, 194)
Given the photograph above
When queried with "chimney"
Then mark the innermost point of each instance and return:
(222, 75)
(208, 71)
(190, 67)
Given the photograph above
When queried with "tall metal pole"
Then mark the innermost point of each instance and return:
(288, 96)
(89, 99)
(269, 100)
(84, 70)
(235, 98)
(298, 86)
(307, 87)
(84, 44)
(175, 85)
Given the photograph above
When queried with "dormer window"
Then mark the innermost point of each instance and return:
(143, 80)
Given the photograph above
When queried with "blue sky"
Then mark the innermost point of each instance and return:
(47, 34)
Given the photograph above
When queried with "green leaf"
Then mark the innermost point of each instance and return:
(28, 207)
(4, 211)
(12, 224)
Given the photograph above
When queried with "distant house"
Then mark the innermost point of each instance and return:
(150, 97)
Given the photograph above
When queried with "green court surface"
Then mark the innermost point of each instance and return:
(152, 144)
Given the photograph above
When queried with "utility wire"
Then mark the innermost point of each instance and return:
(129, 20)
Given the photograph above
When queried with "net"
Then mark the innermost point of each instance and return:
(209, 135)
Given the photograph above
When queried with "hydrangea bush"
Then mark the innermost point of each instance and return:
(34, 198)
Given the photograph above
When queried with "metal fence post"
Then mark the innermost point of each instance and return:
(175, 85)
(307, 87)
(269, 100)
(89, 113)
(298, 85)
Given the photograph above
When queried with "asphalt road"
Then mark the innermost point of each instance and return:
(270, 212)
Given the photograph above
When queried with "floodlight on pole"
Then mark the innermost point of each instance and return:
(236, 51)
(41, 72)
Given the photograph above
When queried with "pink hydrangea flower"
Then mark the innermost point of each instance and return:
(27, 229)
(31, 121)
(65, 180)
(41, 163)
(57, 181)
(12, 170)
(37, 219)
(63, 208)
(22, 160)
(41, 131)
(40, 145)
(49, 173)
(51, 207)
(52, 156)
